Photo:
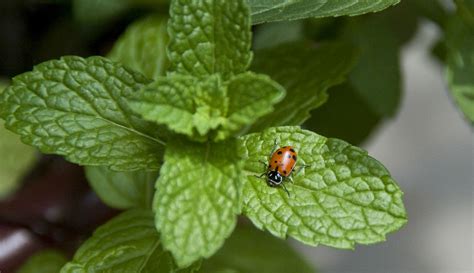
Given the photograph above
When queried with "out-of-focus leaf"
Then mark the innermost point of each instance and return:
(306, 71)
(320, 29)
(439, 50)
(250, 250)
(460, 63)
(47, 261)
(143, 47)
(465, 9)
(15, 158)
(273, 34)
(431, 9)
(403, 29)
(345, 115)
(122, 190)
(94, 12)
(376, 77)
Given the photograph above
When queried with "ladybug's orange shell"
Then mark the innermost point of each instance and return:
(283, 160)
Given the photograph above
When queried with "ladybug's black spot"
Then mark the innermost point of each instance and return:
(279, 152)
(294, 157)
(276, 169)
(284, 172)
(289, 156)
(276, 161)
(293, 151)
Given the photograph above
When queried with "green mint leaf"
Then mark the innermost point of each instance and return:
(78, 108)
(341, 198)
(187, 105)
(279, 10)
(249, 250)
(143, 47)
(460, 63)
(17, 158)
(209, 37)
(376, 77)
(47, 261)
(346, 115)
(194, 106)
(197, 198)
(122, 190)
(306, 72)
(127, 243)
(250, 97)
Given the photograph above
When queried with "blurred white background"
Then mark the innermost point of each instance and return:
(429, 149)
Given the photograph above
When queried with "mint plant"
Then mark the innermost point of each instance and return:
(197, 122)
(122, 190)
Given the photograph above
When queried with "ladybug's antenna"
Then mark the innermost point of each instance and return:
(284, 187)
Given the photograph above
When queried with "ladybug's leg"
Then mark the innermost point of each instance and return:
(275, 145)
(284, 187)
(300, 168)
(264, 164)
(290, 178)
(264, 170)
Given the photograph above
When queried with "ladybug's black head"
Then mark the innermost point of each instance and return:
(274, 178)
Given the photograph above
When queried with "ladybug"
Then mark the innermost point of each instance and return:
(280, 166)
